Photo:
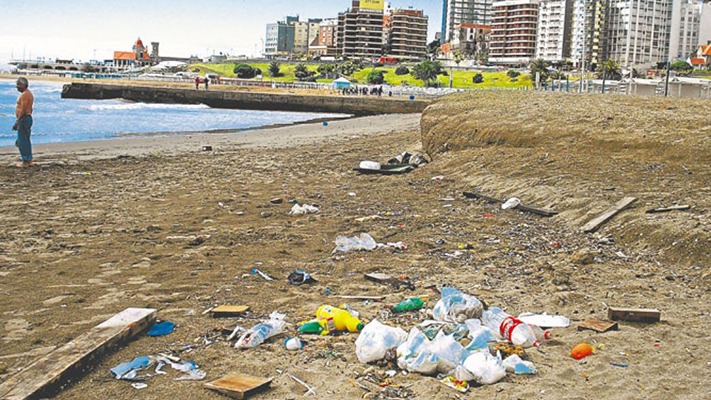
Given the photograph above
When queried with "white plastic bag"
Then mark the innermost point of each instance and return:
(515, 364)
(361, 242)
(511, 203)
(419, 354)
(262, 331)
(484, 368)
(545, 320)
(455, 306)
(480, 335)
(376, 339)
(303, 209)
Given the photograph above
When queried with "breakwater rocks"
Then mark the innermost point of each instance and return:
(359, 106)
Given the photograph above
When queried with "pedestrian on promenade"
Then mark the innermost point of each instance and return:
(197, 83)
(207, 82)
(23, 124)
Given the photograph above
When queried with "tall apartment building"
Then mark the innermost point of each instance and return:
(471, 39)
(685, 29)
(279, 39)
(305, 32)
(590, 32)
(406, 34)
(638, 32)
(457, 12)
(325, 43)
(513, 32)
(360, 30)
(553, 38)
(705, 23)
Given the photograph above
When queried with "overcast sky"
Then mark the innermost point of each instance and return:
(93, 29)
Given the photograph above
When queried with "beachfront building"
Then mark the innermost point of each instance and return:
(471, 39)
(685, 28)
(406, 34)
(360, 30)
(705, 22)
(305, 32)
(513, 32)
(138, 57)
(325, 43)
(553, 39)
(457, 12)
(639, 32)
(589, 33)
(279, 41)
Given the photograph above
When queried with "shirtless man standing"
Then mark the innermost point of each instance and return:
(23, 124)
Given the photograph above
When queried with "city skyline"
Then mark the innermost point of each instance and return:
(87, 31)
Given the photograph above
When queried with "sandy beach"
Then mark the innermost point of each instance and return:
(101, 226)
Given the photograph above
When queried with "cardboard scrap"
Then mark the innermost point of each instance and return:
(598, 325)
(228, 310)
(634, 314)
(239, 385)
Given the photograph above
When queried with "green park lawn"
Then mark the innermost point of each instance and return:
(461, 78)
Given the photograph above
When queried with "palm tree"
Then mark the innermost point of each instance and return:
(539, 66)
(274, 69)
(611, 69)
(426, 71)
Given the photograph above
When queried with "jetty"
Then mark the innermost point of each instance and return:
(355, 105)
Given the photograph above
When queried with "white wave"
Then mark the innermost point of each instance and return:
(145, 106)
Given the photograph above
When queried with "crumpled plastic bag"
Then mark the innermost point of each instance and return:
(480, 335)
(303, 209)
(483, 368)
(515, 364)
(455, 306)
(376, 339)
(419, 354)
(262, 331)
(361, 242)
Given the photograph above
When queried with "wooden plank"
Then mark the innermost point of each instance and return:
(49, 372)
(596, 222)
(357, 297)
(533, 210)
(634, 314)
(228, 310)
(239, 385)
(667, 209)
(598, 325)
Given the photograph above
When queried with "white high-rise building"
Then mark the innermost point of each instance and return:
(685, 29)
(553, 38)
(705, 23)
(638, 32)
(456, 12)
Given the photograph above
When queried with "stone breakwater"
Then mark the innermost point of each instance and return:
(359, 106)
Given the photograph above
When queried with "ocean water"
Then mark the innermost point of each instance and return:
(70, 120)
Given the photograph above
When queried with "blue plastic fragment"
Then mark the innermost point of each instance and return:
(161, 328)
(121, 370)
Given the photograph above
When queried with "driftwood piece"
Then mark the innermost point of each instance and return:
(597, 222)
(49, 372)
(634, 314)
(667, 209)
(533, 210)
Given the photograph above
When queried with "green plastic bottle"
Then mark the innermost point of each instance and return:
(316, 327)
(411, 304)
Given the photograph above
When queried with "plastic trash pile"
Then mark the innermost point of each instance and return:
(456, 342)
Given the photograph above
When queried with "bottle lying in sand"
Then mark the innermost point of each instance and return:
(510, 328)
(342, 319)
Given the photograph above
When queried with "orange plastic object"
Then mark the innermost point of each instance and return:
(581, 351)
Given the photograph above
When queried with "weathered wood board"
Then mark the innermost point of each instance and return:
(596, 222)
(51, 371)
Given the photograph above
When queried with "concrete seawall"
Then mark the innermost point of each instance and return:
(360, 106)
